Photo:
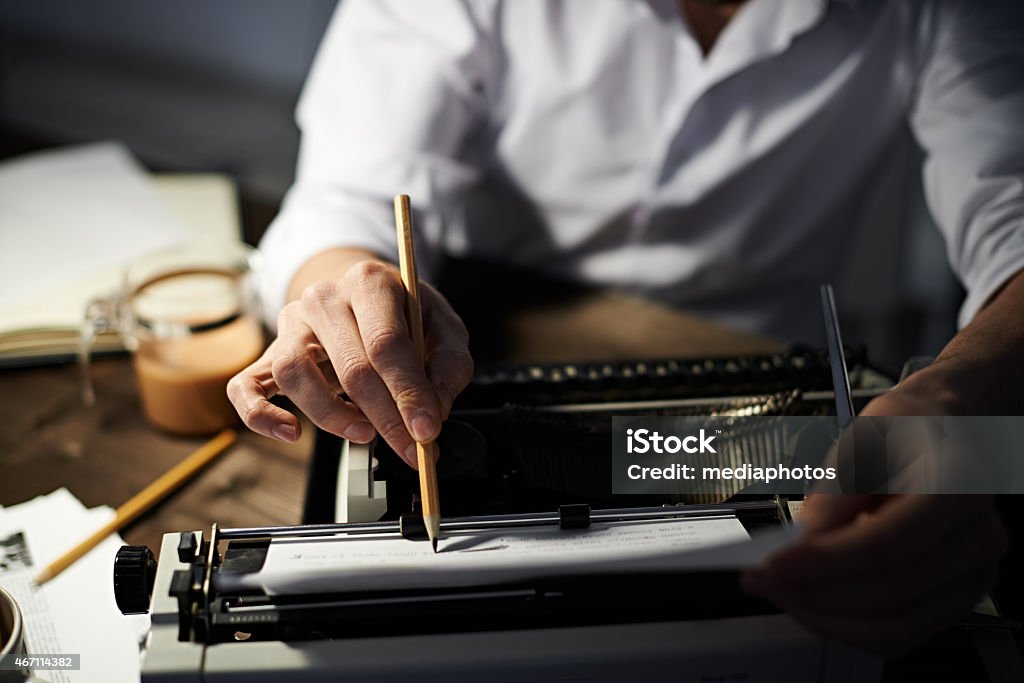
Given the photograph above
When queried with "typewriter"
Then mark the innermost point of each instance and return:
(525, 446)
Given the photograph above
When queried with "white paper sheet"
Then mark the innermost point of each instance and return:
(474, 559)
(75, 612)
(75, 211)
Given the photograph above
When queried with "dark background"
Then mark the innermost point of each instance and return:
(189, 86)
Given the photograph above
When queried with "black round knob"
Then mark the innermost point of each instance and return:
(134, 572)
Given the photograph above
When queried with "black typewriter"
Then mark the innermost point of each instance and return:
(532, 437)
(525, 447)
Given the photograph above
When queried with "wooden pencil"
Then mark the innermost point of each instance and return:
(426, 454)
(143, 501)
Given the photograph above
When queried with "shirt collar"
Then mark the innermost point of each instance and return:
(761, 30)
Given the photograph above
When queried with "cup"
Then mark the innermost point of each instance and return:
(190, 320)
(12, 636)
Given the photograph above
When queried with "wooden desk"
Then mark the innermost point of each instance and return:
(609, 326)
(105, 454)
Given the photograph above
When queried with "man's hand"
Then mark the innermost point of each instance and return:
(885, 572)
(350, 336)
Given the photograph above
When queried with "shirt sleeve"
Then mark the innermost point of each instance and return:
(396, 90)
(969, 118)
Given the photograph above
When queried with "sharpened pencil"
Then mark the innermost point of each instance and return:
(426, 453)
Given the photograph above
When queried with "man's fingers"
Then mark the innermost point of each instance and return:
(898, 529)
(895, 633)
(449, 363)
(296, 368)
(300, 378)
(449, 371)
(249, 392)
(352, 337)
(964, 553)
(335, 327)
(292, 365)
(379, 305)
(905, 549)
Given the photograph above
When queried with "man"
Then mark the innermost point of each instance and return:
(706, 155)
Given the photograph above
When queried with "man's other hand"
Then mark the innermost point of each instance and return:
(885, 572)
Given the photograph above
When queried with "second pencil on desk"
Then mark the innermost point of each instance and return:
(426, 453)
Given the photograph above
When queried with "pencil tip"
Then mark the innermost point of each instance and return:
(433, 542)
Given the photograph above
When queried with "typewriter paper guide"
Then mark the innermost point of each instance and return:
(497, 557)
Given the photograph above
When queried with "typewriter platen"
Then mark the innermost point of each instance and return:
(526, 445)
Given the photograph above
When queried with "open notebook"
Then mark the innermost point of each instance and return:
(73, 218)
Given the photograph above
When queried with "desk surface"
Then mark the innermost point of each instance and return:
(107, 453)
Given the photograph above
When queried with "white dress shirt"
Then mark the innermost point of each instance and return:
(592, 140)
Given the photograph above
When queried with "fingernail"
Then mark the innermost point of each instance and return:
(411, 456)
(422, 427)
(360, 432)
(284, 432)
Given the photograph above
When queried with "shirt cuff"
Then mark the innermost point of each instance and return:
(1006, 262)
